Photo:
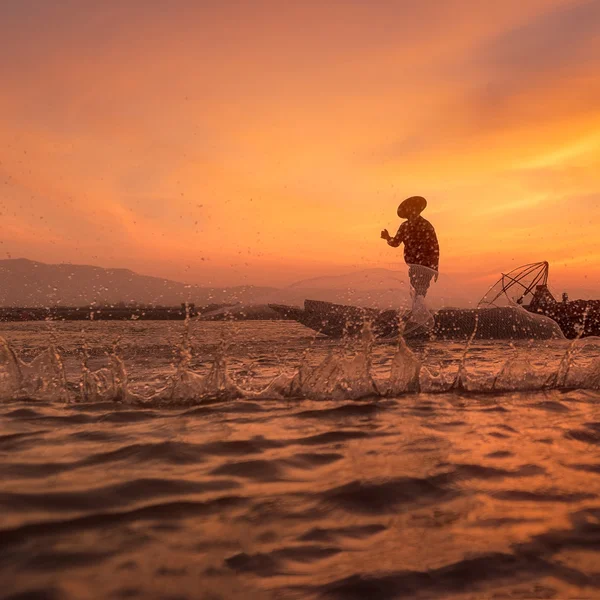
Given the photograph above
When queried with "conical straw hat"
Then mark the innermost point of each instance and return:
(412, 206)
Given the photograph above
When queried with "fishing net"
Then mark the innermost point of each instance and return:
(511, 308)
(519, 287)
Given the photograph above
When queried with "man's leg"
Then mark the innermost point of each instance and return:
(420, 319)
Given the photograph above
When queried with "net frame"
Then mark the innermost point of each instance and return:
(527, 277)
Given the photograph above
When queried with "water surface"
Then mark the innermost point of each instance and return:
(457, 493)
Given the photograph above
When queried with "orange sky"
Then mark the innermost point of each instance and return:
(265, 141)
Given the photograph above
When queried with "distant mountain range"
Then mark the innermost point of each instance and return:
(27, 283)
(366, 279)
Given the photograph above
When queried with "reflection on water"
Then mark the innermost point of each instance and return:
(447, 494)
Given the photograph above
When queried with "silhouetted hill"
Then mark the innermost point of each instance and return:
(29, 283)
(26, 283)
(366, 279)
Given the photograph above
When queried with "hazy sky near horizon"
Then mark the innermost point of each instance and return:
(259, 141)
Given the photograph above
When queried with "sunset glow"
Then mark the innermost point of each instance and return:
(265, 142)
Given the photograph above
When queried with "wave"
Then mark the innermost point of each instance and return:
(346, 373)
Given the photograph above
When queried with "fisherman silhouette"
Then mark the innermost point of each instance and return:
(421, 248)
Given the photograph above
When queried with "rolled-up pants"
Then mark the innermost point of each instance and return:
(420, 278)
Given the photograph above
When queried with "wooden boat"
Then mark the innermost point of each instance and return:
(519, 306)
(336, 320)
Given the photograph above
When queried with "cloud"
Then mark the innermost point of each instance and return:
(283, 135)
(556, 40)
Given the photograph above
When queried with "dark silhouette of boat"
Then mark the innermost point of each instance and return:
(337, 320)
(528, 287)
(518, 306)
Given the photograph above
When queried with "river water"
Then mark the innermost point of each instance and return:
(257, 460)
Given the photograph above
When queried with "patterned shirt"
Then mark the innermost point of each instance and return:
(421, 245)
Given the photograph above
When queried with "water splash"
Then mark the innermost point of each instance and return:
(580, 366)
(340, 375)
(108, 384)
(405, 371)
(44, 377)
(11, 378)
(41, 379)
(517, 373)
(189, 387)
(346, 372)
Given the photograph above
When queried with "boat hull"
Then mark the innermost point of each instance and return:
(337, 320)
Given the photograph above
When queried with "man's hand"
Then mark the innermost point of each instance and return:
(385, 235)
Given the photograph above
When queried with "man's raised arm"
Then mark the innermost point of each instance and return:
(396, 240)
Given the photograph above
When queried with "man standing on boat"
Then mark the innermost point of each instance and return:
(421, 247)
